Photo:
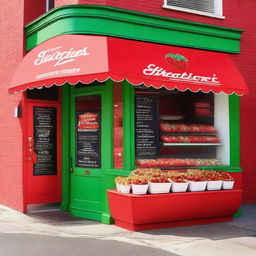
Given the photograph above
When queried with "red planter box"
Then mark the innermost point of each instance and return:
(142, 212)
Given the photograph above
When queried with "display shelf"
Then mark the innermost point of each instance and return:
(183, 167)
(190, 144)
(189, 133)
(142, 212)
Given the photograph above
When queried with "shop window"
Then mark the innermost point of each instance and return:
(49, 5)
(204, 7)
(43, 94)
(175, 130)
(118, 127)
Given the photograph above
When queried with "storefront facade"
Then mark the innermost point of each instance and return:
(54, 161)
(64, 174)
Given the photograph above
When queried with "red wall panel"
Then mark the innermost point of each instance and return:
(33, 9)
(11, 52)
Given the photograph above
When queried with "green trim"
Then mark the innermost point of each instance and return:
(238, 214)
(234, 124)
(128, 126)
(85, 214)
(107, 219)
(65, 147)
(115, 22)
(69, 94)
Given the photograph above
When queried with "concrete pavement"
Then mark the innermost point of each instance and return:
(237, 238)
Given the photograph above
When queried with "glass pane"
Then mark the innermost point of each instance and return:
(88, 131)
(118, 127)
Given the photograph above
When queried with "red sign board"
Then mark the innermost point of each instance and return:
(74, 58)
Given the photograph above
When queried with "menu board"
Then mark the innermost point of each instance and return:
(45, 140)
(88, 149)
(146, 125)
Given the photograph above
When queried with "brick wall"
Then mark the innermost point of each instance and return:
(11, 52)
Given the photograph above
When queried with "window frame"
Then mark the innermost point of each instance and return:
(218, 9)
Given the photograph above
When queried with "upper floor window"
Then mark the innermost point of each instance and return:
(212, 8)
(49, 4)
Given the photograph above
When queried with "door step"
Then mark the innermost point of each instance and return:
(34, 208)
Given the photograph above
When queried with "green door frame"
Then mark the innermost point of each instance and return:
(68, 94)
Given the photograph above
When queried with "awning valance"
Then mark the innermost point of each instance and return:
(84, 58)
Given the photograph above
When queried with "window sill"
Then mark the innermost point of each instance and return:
(193, 11)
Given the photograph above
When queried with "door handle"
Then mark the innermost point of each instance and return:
(71, 165)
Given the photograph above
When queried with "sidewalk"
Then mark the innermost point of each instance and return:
(237, 238)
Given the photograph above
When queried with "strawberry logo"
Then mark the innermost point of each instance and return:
(177, 61)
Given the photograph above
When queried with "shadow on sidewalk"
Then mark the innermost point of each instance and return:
(243, 226)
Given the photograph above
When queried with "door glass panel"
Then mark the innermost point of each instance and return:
(88, 131)
(118, 127)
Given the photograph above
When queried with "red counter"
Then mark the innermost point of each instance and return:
(143, 212)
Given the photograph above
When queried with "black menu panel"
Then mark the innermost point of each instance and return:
(146, 125)
(88, 143)
(45, 140)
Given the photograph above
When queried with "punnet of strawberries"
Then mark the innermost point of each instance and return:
(195, 175)
(177, 176)
(211, 175)
(139, 180)
(123, 180)
(162, 178)
(225, 176)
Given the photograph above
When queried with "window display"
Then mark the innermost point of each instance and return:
(179, 129)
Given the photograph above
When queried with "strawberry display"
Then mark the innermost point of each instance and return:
(146, 163)
(175, 162)
(177, 61)
(196, 180)
(190, 139)
(180, 127)
(146, 172)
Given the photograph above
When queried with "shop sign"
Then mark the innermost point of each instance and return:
(88, 149)
(45, 140)
(179, 63)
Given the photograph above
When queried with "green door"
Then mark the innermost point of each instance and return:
(90, 148)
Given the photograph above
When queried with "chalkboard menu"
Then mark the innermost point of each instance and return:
(45, 140)
(146, 125)
(88, 146)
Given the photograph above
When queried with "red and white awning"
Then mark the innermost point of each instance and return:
(84, 58)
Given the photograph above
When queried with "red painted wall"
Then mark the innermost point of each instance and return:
(11, 52)
(14, 15)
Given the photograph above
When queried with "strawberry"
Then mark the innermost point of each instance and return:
(177, 61)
